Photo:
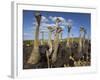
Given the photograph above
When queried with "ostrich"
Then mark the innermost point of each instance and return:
(48, 52)
(51, 29)
(69, 27)
(85, 32)
(35, 55)
(81, 41)
(56, 40)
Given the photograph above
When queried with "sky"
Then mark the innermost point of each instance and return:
(48, 19)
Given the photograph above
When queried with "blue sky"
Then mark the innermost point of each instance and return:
(48, 19)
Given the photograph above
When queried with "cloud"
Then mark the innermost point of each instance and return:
(54, 18)
(28, 33)
(62, 27)
(44, 19)
(63, 20)
(44, 26)
(47, 24)
(25, 34)
(69, 22)
(28, 36)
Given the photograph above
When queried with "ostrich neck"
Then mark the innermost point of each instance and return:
(36, 36)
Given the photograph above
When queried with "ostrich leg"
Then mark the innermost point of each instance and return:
(47, 55)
